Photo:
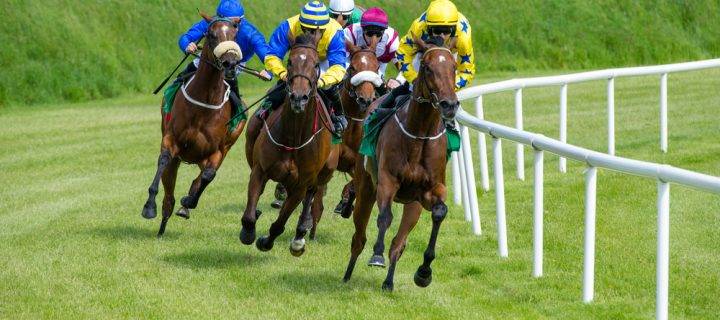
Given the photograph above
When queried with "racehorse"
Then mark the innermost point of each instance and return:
(195, 130)
(293, 148)
(357, 93)
(410, 168)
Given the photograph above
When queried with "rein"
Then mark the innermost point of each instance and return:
(347, 83)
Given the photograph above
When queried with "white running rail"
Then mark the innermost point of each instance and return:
(664, 174)
(609, 75)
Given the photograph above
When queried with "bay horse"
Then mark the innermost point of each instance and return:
(410, 167)
(195, 130)
(356, 95)
(293, 148)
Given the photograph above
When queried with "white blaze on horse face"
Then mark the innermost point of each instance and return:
(442, 59)
(364, 60)
(303, 57)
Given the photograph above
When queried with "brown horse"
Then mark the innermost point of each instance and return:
(195, 131)
(410, 167)
(294, 149)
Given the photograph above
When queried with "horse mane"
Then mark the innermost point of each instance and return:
(304, 39)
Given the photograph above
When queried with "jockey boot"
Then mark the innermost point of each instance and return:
(389, 101)
(331, 97)
(185, 74)
(235, 104)
(276, 96)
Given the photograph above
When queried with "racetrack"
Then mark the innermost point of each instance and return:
(74, 245)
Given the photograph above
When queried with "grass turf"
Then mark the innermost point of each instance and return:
(74, 244)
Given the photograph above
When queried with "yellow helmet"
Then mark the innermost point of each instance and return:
(442, 13)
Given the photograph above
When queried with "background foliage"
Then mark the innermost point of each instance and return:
(70, 50)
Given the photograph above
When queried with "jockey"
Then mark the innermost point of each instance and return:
(345, 12)
(250, 40)
(314, 18)
(374, 23)
(441, 19)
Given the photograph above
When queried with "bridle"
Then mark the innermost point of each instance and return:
(433, 100)
(349, 75)
(313, 82)
(215, 62)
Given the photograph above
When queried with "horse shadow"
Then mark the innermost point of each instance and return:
(129, 233)
(216, 258)
(313, 282)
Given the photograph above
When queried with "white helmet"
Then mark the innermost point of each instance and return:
(342, 6)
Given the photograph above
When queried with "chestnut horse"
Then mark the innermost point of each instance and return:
(195, 131)
(293, 149)
(410, 168)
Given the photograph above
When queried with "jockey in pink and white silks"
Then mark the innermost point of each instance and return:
(374, 23)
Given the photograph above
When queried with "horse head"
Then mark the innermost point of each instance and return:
(220, 37)
(436, 79)
(363, 73)
(303, 71)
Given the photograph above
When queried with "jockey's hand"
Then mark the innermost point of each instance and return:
(392, 84)
(321, 84)
(191, 48)
(266, 74)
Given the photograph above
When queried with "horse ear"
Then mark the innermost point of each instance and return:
(422, 46)
(236, 20)
(291, 39)
(205, 16)
(316, 38)
(351, 47)
(373, 43)
(453, 43)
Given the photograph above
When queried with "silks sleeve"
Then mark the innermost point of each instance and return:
(465, 56)
(406, 52)
(258, 42)
(277, 48)
(193, 34)
(336, 56)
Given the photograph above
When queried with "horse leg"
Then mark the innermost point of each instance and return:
(423, 275)
(410, 217)
(168, 180)
(361, 217)
(278, 227)
(387, 187)
(305, 222)
(280, 196)
(256, 185)
(207, 174)
(340, 207)
(347, 211)
(317, 209)
(150, 209)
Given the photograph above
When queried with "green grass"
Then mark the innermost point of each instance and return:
(70, 50)
(74, 244)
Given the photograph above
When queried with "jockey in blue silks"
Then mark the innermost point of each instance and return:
(250, 40)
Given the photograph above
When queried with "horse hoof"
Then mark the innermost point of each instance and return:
(187, 203)
(247, 237)
(348, 211)
(340, 206)
(387, 286)
(297, 247)
(277, 204)
(263, 244)
(423, 278)
(149, 210)
(183, 213)
(377, 261)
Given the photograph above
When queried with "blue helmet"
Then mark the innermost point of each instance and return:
(230, 8)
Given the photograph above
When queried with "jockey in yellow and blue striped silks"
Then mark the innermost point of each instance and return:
(314, 18)
(331, 48)
(441, 19)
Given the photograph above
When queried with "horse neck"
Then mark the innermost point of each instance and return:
(294, 129)
(422, 118)
(208, 85)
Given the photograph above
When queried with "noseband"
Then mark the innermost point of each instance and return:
(215, 62)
